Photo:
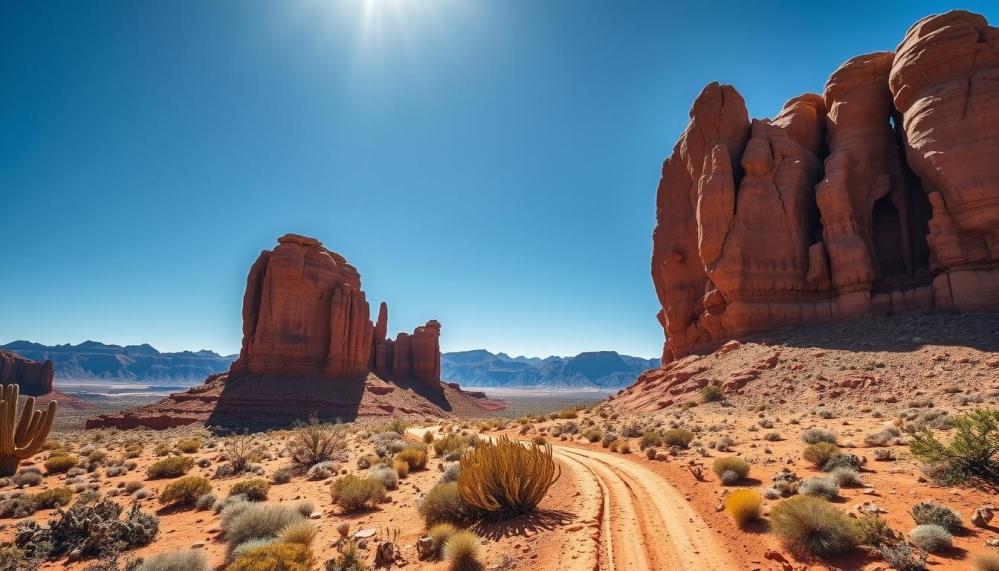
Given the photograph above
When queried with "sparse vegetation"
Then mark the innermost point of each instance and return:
(314, 442)
(970, 453)
(506, 478)
(810, 526)
(743, 506)
(172, 467)
(712, 393)
(352, 493)
(185, 491)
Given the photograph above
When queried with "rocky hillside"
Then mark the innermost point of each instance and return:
(94, 360)
(596, 369)
(924, 360)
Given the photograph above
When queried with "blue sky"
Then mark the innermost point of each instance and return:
(492, 164)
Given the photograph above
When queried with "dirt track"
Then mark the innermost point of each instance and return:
(633, 519)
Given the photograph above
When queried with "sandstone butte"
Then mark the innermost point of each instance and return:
(309, 347)
(880, 196)
(35, 378)
(305, 315)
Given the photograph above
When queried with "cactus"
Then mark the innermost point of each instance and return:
(24, 439)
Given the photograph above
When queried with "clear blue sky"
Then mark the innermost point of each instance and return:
(489, 164)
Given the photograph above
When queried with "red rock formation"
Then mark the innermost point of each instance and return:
(945, 84)
(305, 315)
(815, 215)
(35, 378)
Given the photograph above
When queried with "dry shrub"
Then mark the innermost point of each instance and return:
(730, 464)
(443, 504)
(987, 562)
(507, 478)
(301, 532)
(461, 551)
(60, 464)
(820, 453)
(352, 493)
(743, 506)
(170, 467)
(811, 526)
(439, 534)
(185, 560)
(401, 468)
(254, 489)
(315, 442)
(275, 556)
(415, 456)
(185, 491)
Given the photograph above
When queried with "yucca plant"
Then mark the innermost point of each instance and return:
(506, 478)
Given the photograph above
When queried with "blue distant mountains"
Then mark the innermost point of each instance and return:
(596, 369)
(92, 360)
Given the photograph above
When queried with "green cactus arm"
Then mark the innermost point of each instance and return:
(26, 418)
(39, 434)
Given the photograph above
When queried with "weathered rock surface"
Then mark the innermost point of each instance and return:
(880, 196)
(34, 377)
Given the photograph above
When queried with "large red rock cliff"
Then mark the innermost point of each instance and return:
(35, 378)
(879, 196)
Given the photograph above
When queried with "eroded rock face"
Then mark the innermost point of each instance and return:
(877, 197)
(305, 315)
(34, 377)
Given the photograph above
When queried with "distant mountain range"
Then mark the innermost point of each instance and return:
(92, 360)
(597, 369)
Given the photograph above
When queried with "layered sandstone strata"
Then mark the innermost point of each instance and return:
(34, 377)
(876, 197)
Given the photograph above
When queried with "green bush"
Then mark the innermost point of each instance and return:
(275, 557)
(352, 493)
(60, 464)
(185, 491)
(677, 437)
(172, 467)
(254, 489)
(933, 513)
(819, 453)
(712, 393)
(873, 531)
(730, 464)
(811, 526)
(443, 504)
(971, 453)
(52, 498)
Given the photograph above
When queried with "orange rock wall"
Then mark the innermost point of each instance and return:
(879, 196)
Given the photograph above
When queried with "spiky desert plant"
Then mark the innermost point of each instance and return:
(25, 438)
(506, 477)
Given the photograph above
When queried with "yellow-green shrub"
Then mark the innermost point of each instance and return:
(819, 453)
(461, 551)
(185, 491)
(275, 557)
(506, 477)
(60, 463)
(415, 456)
(352, 493)
(730, 464)
(443, 504)
(254, 489)
(743, 506)
(170, 467)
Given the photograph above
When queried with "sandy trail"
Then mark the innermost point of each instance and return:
(637, 519)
